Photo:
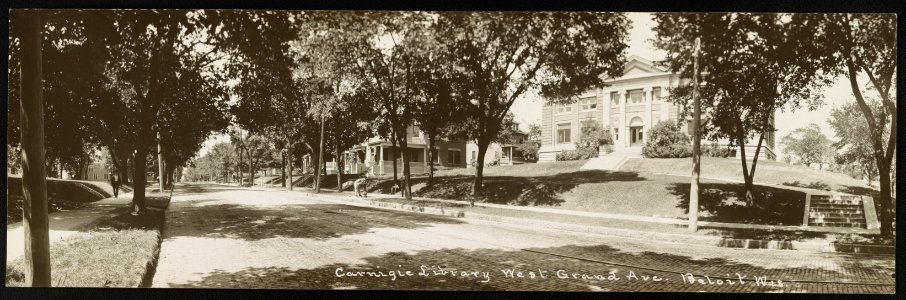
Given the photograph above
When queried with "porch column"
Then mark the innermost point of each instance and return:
(606, 107)
(648, 123)
(624, 126)
(380, 160)
(665, 106)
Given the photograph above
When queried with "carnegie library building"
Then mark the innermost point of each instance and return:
(627, 106)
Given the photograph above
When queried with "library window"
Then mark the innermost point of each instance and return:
(588, 103)
(636, 97)
(656, 94)
(614, 99)
(564, 109)
(563, 133)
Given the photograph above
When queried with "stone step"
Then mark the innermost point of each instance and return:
(840, 202)
(837, 206)
(836, 220)
(833, 224)
(834, 210)
(815, 214)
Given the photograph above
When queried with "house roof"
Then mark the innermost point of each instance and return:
(636, 67)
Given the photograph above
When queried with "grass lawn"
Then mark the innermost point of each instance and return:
(563, 186)
(61, 195)
(119, 250)
(647, 226)
(766, 171)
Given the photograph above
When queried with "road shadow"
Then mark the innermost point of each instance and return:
(515, 190)
(598, 259)
(201, 188)
(314, 221)
(725, 202)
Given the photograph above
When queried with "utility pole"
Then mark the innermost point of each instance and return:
(320, 158)
(696, 141)
(34, 183)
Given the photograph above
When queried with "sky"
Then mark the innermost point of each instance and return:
(527, 109)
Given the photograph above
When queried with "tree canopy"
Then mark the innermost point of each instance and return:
(753, 65)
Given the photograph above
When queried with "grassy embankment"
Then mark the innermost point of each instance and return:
(639, 188)
(117, 249)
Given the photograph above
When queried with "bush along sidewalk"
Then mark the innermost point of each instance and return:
(117, 250)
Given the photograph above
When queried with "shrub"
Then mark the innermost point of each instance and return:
(716, 151)
(581, 152)
(666, 140)
(593, 134)
(567, 155)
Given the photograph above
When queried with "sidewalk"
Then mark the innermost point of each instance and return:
(638, 227)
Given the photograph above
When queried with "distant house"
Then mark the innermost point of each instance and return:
(374, 155)
(504, 154)
(627, 106)
(96, 172)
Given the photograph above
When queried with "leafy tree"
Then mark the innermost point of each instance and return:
(126, 67)
(808, 145)
(858, 45)
(437, 114)
(388, 66)
(269, 98)
(257, 151)
(69, 141)
(223, 156)
(327, 45)
(854, 147)
(666, 140)
(753, 65)
(499, 56)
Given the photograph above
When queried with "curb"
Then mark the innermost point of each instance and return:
(831, 247)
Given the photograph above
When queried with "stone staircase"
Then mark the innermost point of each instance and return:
(836, 211)
(612, 161)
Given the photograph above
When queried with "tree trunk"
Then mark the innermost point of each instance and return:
(749, 174)
(239, 167)
(161, 165)
(430, 158)
(696, 145)
(289, 165)
(886, 201)
(170, 170)
(317, 172)
(283, 168)
(882, 161)
(393, 152)
(407, 187)
(745, 170)
(252, 166)
(138, 174)
(34, 184)
(483, 144)
(339, 168)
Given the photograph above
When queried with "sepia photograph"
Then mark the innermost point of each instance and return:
(432, 150)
